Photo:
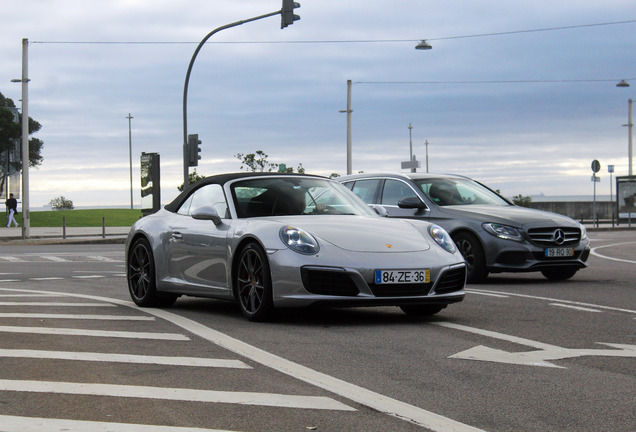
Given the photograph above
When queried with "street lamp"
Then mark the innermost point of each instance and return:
(26, 221)
(423, 45)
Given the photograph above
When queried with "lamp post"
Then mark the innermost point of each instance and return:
(130, 156)
(26, 221)
(630, 125)
(348, 111)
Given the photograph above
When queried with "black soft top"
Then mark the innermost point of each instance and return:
(221, 179)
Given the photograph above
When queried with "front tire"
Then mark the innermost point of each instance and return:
(421, 310)
(253, 284)
(473, 253)
(559, 274)
(140, 272)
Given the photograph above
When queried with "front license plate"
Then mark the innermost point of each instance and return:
(559, 252)
(402, 276)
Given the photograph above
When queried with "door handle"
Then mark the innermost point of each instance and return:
(177, 235)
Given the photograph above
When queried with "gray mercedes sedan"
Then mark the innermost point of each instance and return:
(492, 234)
(270, 241)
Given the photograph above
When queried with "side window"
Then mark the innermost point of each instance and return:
(365, 189)
(185, 207)
(394, 191)
(209, 195)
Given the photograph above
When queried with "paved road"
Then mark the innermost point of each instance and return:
(521, 353)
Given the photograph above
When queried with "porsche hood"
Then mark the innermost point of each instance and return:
(363, 234)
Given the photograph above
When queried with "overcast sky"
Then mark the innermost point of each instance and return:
(524, 112)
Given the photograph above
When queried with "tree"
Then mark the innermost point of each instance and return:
(256, 161)
(10, 131)
(193, 177)
(61, 203)
(523, 201)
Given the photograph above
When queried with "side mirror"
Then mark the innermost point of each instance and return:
(411, 203)
(379, 210)
(207, 213)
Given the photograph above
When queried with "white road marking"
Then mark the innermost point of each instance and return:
(102, 258)
(38, 424)
(77, 316)
(12, 259)
(54, 258)
(25, 295)
(376, 401)
(88, 277)
(93, 333)
(579, 308)
(56, 304)
(124, 358)
(177, 394)
(549, 299)
(539, 357)
(595, 253)
(487, 293)
(46, 278)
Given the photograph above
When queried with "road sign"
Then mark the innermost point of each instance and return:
(410, 164)
(596, 166)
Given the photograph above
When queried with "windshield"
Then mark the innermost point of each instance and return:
(275, 196)
(459, 191)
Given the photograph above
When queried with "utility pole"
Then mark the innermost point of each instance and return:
(130, 156)
(26, 221)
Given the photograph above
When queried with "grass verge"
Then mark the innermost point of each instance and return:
(83, 218)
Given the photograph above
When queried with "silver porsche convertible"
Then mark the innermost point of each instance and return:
(272, 241)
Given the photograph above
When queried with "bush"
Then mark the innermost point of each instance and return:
(61, 203)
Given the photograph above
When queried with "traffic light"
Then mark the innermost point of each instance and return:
(193, 150)
(287, 16)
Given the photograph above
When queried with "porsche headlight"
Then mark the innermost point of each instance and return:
(505, 232)
(299, 240)
(442, 238)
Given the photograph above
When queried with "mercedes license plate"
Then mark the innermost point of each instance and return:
(559, 252)
(402, 276)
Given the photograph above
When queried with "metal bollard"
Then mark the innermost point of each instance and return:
(64, 227)
(103, 227)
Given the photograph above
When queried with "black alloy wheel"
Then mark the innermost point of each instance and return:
(140, 272)
(473, 253)
(254, 284)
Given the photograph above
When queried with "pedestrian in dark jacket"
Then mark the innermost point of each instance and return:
(12, 208)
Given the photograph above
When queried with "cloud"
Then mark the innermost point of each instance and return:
(283, 98)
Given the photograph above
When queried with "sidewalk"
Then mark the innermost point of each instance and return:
(56, 235)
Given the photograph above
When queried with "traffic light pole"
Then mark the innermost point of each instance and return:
(187, 81)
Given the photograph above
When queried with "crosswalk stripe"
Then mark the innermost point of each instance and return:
(57, 304)
(12, 259)
(125, 358)
(78, 316)
(102, 258)
(54, 258)
(38, 424)
(177, 394)
(93, 333)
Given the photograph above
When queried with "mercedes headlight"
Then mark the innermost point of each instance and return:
(299, 240)
(442, 238)
(505, 232)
